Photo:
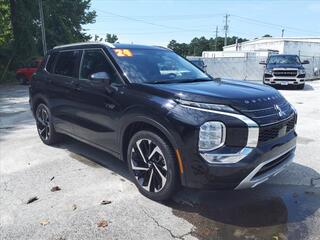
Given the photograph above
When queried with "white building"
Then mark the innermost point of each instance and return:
(304, 46)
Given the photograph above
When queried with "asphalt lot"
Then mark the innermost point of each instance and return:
(286, 207)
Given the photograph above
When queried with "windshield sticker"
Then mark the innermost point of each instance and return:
(123, 52)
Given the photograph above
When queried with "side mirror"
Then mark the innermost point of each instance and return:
(263, 63)
(305, 62)
(102, 77)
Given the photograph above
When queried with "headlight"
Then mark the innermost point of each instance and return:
(302, 71)
(211, 136)
(268, 71)
(209, 106)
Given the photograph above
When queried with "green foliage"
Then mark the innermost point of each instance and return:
(20, 31)
(63, 21)
(5, 27)
(198, 45)
(111, 38)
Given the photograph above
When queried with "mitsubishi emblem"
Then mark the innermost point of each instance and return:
(279, 110)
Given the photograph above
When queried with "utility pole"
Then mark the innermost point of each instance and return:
(43, 32)
(282, 33)
(216, 40)
(226, 28)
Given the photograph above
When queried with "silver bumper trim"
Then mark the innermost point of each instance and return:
(252, 181)
(226, 158)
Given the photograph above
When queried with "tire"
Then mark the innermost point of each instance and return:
(22, 79)
(45, 128)
(300, 86)
(161, 166)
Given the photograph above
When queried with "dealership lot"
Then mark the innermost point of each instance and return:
(286, 207)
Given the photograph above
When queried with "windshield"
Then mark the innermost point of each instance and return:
(284, 60)
(156, 66)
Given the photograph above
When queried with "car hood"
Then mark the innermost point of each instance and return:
(272, 66)
(239, 94)
(248, 98)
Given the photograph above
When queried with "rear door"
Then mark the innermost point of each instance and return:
(61, 88)
(97, 109)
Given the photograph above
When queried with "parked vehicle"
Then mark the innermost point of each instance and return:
(284, 69)
(24, 73)
(182, 127)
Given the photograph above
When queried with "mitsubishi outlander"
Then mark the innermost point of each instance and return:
(170, 121)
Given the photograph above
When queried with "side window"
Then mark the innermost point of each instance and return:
(66, 63)
(52, 57)
(95, 61)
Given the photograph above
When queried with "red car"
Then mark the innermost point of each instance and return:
(24, 74)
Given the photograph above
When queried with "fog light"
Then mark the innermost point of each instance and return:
(211, 136)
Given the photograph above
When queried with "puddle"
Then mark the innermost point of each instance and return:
(304, 140)
(84, 160)
(270, 212)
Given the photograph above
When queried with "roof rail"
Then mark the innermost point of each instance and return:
(84, 43)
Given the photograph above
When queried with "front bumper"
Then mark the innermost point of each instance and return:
(267, 169)
(259, 165)
(258, 160)
(284, 81)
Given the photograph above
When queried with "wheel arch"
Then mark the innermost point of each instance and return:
(36, 100)
(139, 123)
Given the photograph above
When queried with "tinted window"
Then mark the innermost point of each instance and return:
(156, 65)
(66, 63)
(50, 63)
(95, 61)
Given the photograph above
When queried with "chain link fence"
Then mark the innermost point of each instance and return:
(248, 68)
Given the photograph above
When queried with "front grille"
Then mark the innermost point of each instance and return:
(268, 133)
(282, 73)
(265, 116)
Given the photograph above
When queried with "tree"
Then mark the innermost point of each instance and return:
(111, 38)
(5, 26)
(198, 45)
(64, 20)
(267, 35)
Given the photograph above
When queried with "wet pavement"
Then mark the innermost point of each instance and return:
(286, 207)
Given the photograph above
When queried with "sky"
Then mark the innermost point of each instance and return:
(156, 22)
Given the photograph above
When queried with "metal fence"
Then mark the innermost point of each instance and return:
(248, 68)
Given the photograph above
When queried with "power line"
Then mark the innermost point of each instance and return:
(274, 24)
(143, 21)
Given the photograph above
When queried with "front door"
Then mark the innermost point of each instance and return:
(97, 109)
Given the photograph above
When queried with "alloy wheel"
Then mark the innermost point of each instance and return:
(43, 123)
(149, 165)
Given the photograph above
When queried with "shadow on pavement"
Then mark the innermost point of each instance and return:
(270, 211)
(307, 87)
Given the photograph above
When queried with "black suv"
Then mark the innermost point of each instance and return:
(171, 122)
